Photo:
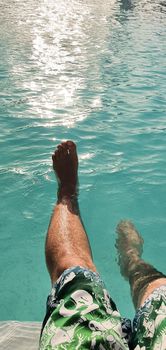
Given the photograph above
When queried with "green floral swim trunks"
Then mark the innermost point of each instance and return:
(81, 315)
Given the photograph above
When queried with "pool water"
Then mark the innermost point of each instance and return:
(94, 72)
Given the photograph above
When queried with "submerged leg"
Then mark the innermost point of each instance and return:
(67, 244)
(143, 277)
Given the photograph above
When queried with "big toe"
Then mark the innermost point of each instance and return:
(71, 146)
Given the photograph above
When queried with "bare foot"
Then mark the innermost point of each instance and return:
(65, 165)
(129, 244)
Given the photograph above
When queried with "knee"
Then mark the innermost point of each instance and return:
(69, 262)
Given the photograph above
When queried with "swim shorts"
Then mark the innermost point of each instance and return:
(81, 315)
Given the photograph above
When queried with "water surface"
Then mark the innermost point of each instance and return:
(93, 72)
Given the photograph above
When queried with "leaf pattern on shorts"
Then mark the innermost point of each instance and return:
(83, 318)
(150, 323)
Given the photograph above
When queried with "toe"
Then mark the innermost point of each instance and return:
(71, 149)
(71, 145)
(60, 152)
(54, 159)
(64, 145)
(65, 148)
(54, 155)
(60, 147)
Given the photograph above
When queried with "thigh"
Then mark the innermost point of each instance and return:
(81, 315)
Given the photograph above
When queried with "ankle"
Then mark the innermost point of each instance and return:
(69, 199)
(67, 192)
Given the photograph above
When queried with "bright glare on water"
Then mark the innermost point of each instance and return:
(94, 72)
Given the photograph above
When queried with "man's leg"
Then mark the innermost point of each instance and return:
(80, 313)
(67, 244)
(143, 277)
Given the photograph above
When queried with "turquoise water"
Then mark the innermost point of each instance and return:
(93, 72)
